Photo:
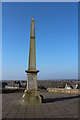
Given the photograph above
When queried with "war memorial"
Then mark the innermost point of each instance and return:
(39, 104)
(31, 94)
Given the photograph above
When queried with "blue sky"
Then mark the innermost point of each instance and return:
(56, 31)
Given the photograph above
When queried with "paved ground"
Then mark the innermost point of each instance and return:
(55, 106)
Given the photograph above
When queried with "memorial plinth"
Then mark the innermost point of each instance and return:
(31, 95)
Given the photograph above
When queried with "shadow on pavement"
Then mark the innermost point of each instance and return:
(50, 100)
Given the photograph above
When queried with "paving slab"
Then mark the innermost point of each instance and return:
(55, 105)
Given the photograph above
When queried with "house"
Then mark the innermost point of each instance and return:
(68, 87)
(71, 86)
(12, 86)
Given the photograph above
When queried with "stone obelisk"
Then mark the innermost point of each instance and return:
(31, 94)
(32, 72)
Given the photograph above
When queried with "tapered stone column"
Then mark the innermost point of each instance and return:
(31, 94)
(32, 72)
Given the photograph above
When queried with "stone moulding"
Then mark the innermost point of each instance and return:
(31, 71)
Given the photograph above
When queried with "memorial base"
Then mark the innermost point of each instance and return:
(31, 97)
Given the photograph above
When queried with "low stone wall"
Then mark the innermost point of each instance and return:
(12, 90)
(63, 90)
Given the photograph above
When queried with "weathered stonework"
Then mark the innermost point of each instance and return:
(32, 81)
(31, 95)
